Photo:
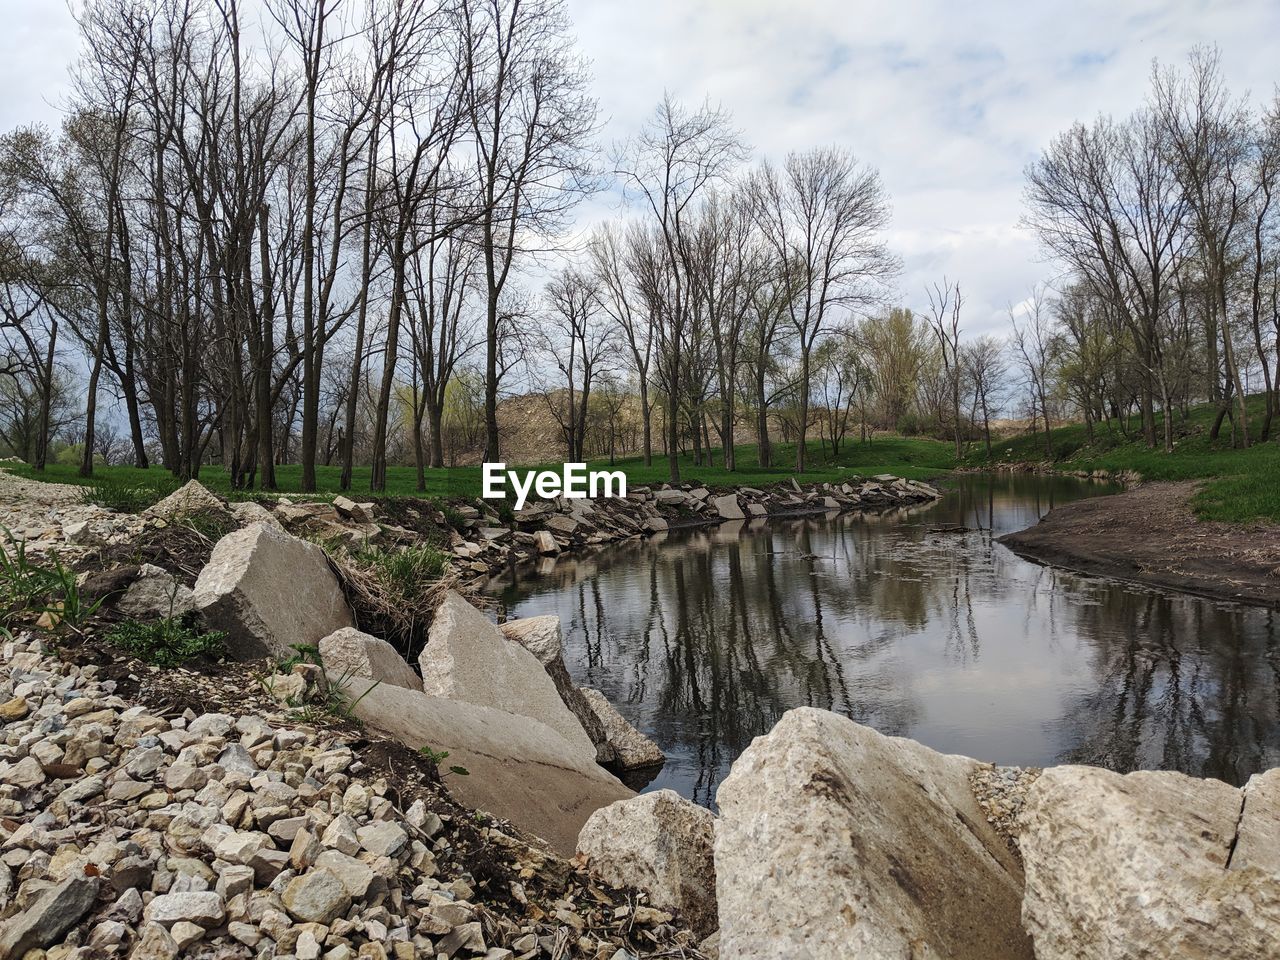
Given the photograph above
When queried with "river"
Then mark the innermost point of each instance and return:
(916, 622)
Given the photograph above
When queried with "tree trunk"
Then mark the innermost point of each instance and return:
(646, 417)
(804, 409)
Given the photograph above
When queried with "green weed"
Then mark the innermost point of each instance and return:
(437, 759)
(166, 643)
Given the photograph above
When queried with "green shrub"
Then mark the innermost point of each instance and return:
(406, 571)
(506, 512)
(170, 642)
(66, 602)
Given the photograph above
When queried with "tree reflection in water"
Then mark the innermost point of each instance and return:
(704, 639)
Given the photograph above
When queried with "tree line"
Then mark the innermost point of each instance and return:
(1166, 228)
(250, 230)
(340, 232)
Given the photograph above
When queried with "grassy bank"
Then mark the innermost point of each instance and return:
(1240, 485)
(916, 459)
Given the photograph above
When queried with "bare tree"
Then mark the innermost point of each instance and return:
(1035, 344)
(984, 367)
(616, 284)
(1208, 134)
(577, 342)
(826, 213)
(944, 309)
(531, 122)
(678, 154)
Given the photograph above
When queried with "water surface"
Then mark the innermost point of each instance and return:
(901, 621)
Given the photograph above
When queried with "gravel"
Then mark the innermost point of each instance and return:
(134, 825)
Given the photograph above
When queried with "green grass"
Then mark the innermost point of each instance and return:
(913, 458)
(1240, 485)
(123, 494)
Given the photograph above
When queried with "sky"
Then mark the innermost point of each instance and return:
(949, 100)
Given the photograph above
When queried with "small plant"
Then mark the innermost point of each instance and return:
(23, 585)
(303, 653)
(334, 699)
(329, 699)
(124, 497)
(170, 642)
(453, 517)
(69, 606)
(438, 757)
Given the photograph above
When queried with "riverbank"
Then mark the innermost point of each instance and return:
(914, 458)
(1151, 535)
(297, 789)
(1237, 485)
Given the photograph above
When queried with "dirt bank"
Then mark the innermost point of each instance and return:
(1149, 535)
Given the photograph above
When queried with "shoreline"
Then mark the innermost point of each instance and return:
(1147, 535)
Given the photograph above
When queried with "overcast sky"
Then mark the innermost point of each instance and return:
(949, 100)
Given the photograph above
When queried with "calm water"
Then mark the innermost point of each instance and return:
(704, 639)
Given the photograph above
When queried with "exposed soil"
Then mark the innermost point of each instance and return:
(1150, 535)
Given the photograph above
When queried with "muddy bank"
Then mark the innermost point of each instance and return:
(1150, 535)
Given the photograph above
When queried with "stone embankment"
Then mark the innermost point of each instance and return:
(548, 528)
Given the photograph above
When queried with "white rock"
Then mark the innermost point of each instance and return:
(545, 543)
(203, 907)
(78, 532)
(193, 497)
(341, 835)
(246, 512)
(350, 510)
(47, 917)
(156, 594)
(185, 933)
(727, 507)
(25, 774)
(468, 658)
(1143, 865)
(835, 841)
(520, 769)
(268, 590)
(351, 652)
(661, 843)
(156, 943)
(316, 896)
(631, 749)
(356, 875)
(559, 523)
(383, 839)
(1258, 839)
(541, 636)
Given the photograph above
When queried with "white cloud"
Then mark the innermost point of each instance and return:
(950, 101)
